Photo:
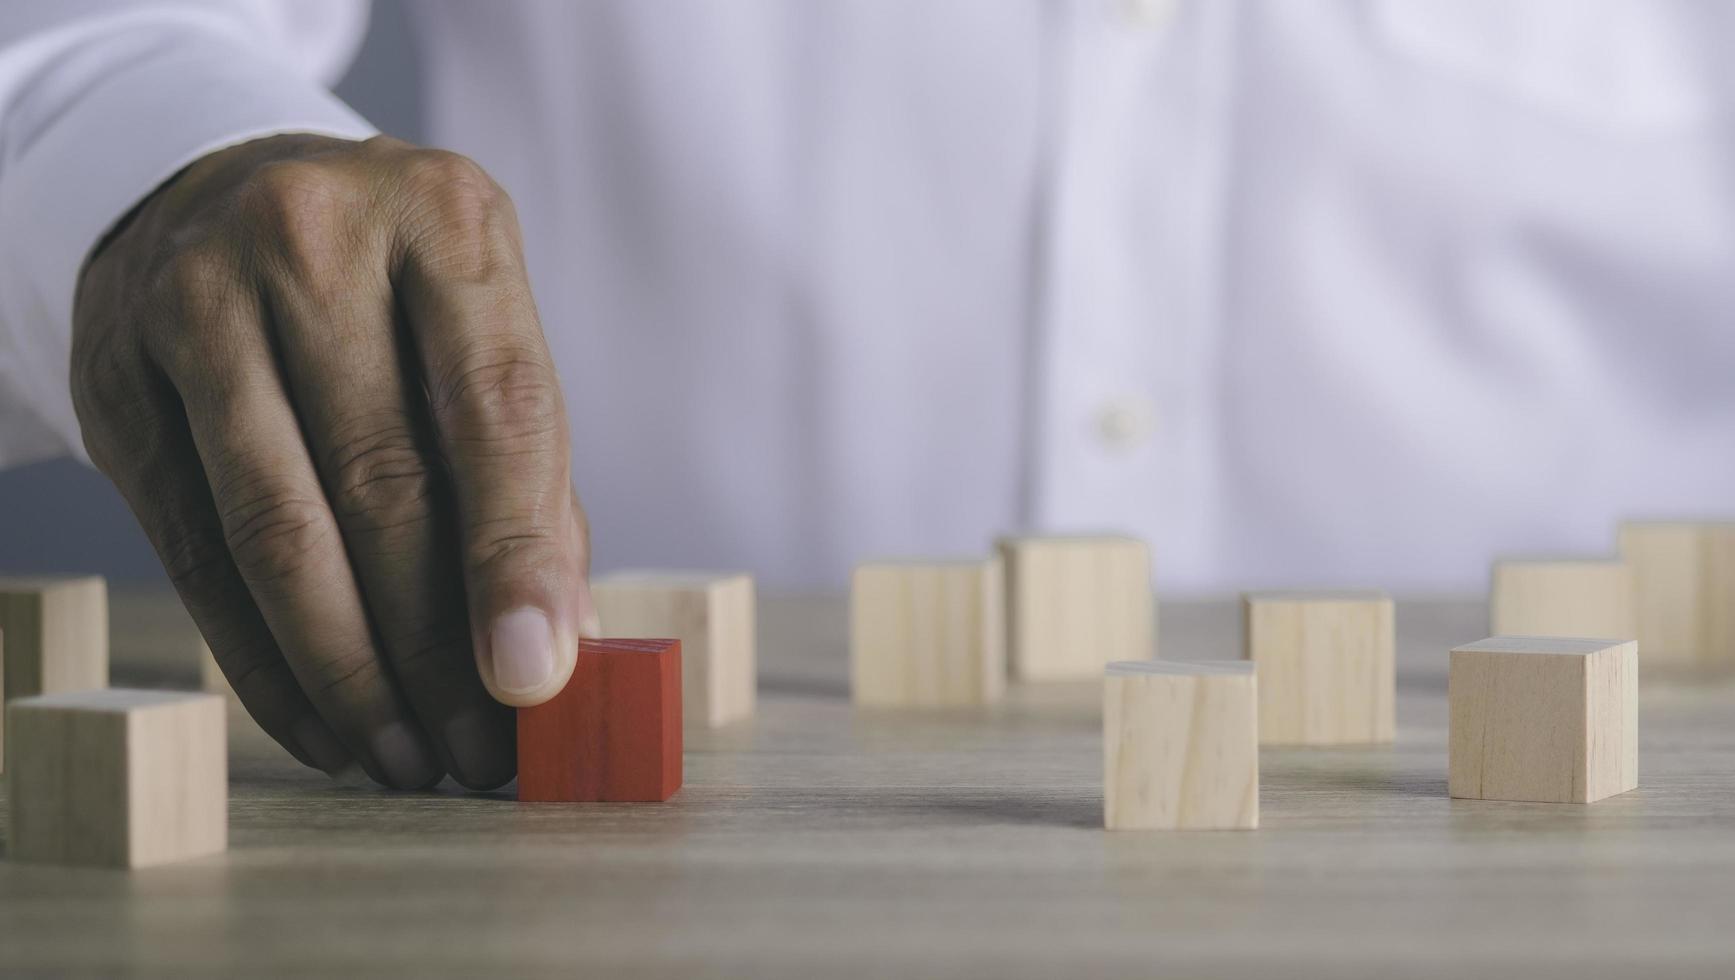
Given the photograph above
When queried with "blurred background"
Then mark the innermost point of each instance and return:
(63, 516)
(1365, 294)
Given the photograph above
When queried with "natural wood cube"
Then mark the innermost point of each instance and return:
(1563, 597)
(1544, 719)
(1326, 666)
(1180, 746)
(613, 735)
(1683, 590)
(713, 617)
(927, 634)
(53, 637)
(151, 631)
(56, 634)
(117, 777)
(1077, 604)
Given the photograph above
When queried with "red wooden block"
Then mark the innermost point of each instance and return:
(613, 735)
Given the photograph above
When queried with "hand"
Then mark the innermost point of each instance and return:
(314, 369)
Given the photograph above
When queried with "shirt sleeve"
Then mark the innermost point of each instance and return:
(100, 102)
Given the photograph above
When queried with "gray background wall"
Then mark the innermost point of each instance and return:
(61, 516)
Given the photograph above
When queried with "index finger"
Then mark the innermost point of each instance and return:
(495, 400)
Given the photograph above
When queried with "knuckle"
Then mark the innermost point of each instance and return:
(455, 185)
(198, 282)
(500, 395)
(194, 299)
(102, 387)
(118, 395)
(272, 535)
(283, 191)
(467, 219)
(303, 208)
(503, 545)
(348, 669)
(197, 562)
(121, 417)
(381, 479)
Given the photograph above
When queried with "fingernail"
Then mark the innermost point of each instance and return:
(320, 745)
(522, 645)
(404, 758)
(479, 749)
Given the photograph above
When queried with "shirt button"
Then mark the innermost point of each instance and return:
(1150, 15)
(1125, 423)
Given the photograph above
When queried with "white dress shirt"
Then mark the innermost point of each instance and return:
(1325, 293)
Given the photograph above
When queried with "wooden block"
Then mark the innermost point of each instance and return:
(613, 735)
(1544, 719)
(1076, 604)
(117, 777)
(927, 634)
(713, 617)
(1326, 674)
(1683, 591)
(151, 634)
(1562, 597)
(56, 631)
(1180, 746)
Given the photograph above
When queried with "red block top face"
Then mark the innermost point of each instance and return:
(613, 735)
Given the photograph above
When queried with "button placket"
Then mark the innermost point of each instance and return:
(1129, 278)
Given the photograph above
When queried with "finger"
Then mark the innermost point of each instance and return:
(501, 427)
(140, 440)
(279, 530)
(367, 426)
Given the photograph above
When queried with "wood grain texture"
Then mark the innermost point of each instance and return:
(1543, 719)
(1326, 670)
(1561, 597)
(1180, 746)
(820, 840)
(927, 634)
(117, 777)
(56, 630)
(613, 735)
(712, 616)
(1075, 604)
(1683, 591)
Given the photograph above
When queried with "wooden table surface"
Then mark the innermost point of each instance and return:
(819, 841)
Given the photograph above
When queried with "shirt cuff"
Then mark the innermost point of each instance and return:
(170, 101)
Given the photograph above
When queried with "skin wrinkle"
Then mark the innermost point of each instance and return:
(246, 674)
(359, 663)
(268, 543)
(492, 389)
